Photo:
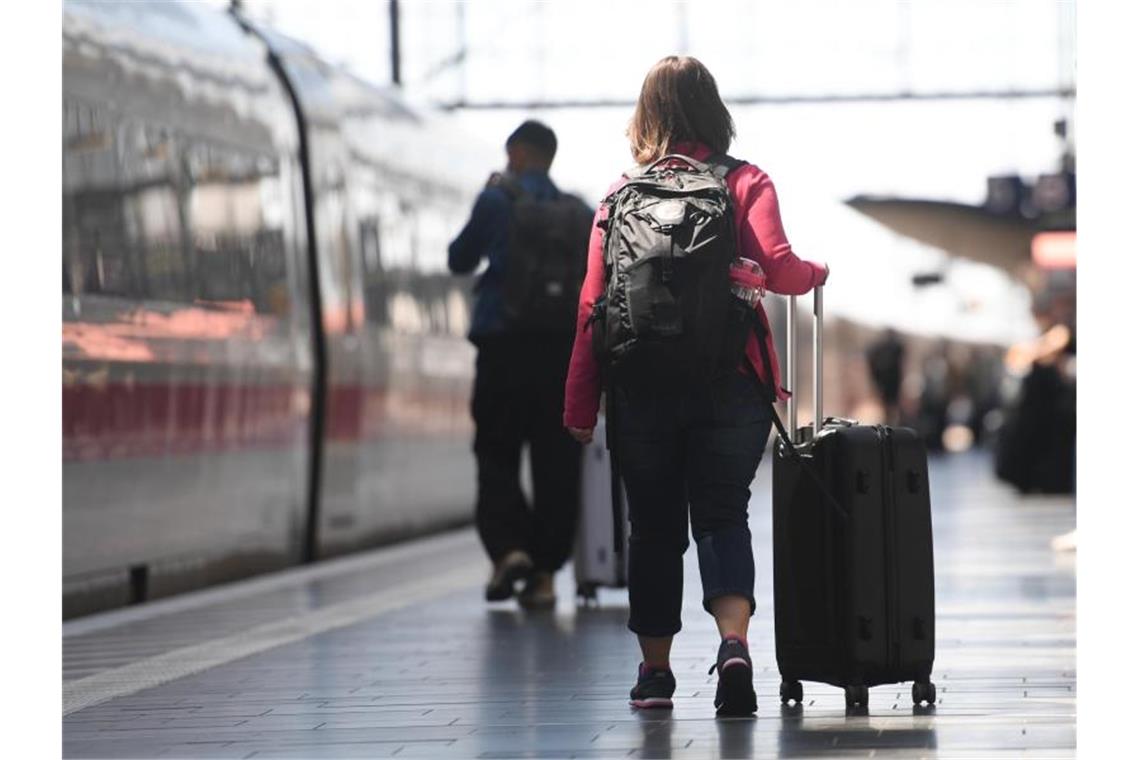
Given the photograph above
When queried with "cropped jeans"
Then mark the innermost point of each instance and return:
(689, 454)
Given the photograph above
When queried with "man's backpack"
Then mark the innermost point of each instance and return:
(667, 312)
(546, 261)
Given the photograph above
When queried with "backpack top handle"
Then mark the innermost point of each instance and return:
(692, 162)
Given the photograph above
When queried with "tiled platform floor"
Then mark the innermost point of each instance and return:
(437, 673)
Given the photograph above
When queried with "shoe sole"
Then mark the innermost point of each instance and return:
(507, 589)
(652, 703)
(738, 697)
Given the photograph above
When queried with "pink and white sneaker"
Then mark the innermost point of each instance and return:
(654, 689)
(735, 694)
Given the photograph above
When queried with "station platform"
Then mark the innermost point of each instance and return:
(393, 653)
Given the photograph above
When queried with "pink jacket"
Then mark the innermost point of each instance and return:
(759, 236)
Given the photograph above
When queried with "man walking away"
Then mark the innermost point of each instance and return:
(885, 360)
(534, 239)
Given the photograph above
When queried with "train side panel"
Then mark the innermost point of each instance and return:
(396, 450)
(187, 356)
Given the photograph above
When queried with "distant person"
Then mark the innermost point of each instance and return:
(934, 398)
(1037, 445)
(686, 450)
(533, 238)
(885, 361)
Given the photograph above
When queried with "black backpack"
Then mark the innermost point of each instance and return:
(667, 314)
(546, 261)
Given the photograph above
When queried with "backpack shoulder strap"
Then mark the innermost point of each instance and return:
(510, 186)
(722, 165)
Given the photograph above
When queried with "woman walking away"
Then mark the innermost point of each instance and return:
(687, 363)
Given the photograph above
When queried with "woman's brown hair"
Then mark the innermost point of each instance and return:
(679, 102)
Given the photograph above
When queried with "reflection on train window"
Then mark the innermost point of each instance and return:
(340, 276)
(151, 210)
(236, 257)
(97, 253)
(375, 282)
(107, 262)
(399, 244)
(370, 246)
(149, 214)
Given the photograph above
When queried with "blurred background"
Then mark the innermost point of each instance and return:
(919, 148)
(264, 354)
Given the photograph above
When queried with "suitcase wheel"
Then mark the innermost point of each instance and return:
(923, 691)
(791, 692)
(855, 696)
(588, 593)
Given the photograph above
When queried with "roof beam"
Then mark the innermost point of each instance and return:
(772, 100)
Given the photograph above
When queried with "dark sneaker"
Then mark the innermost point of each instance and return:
(538, 594)
(734, 692)
(512, 568)
(655, 687)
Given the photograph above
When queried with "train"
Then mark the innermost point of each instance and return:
(264, 357)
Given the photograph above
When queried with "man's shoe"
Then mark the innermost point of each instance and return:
(655, 687)
(513, 567)
(734, 692)
(538, 594)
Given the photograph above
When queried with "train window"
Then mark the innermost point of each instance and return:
(100, 258)
(104, 247)
(270, 273)
(370, 246)
(154, 220)
(375, 282)
(238, 258)
(150, 213)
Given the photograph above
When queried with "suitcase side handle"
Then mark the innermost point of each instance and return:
(817, 361)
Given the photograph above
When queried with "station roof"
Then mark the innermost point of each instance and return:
(963, 230)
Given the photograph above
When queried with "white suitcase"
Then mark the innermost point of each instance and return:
(596, 564)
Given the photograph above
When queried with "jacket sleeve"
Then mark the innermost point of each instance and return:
(583, 380)
(489, 217)
(762, 238)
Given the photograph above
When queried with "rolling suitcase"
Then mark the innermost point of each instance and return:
(599, 561)
(853, 563)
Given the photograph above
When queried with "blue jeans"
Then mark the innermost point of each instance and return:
(689, 453)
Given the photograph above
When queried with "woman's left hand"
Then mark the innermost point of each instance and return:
(581, 435)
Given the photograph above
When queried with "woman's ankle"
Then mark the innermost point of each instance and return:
(655, 651)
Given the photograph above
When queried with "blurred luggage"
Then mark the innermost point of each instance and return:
(853, 566)
(1036, 450)
(599, 560)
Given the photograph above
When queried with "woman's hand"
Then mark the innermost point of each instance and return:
(581, 435)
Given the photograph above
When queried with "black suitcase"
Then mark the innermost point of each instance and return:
(853, 561)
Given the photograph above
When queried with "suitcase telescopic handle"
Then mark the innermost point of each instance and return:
(817, 361)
